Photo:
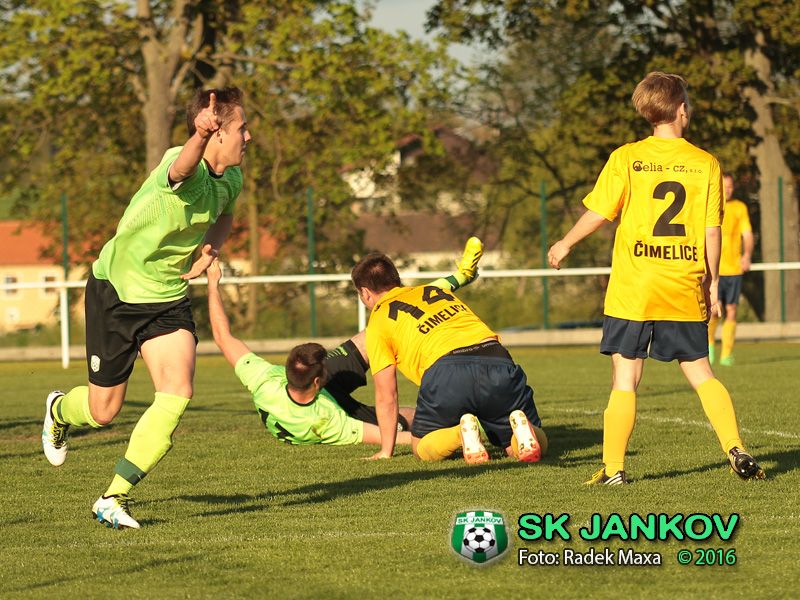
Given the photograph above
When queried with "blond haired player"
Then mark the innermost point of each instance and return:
(465, 376)
(664, 273)
(737, 254)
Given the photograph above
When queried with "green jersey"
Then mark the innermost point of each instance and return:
(160, 230)
(322, 421)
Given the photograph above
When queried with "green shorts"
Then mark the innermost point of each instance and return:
(350, 431)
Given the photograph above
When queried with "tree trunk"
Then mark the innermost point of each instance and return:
(771, 165)
(159, 113)
(168, 55)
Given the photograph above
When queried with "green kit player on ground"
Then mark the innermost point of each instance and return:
(136, 300)
(294, 401)
(308, 401)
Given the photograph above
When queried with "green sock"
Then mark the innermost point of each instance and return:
(73, 408)
(150, 441)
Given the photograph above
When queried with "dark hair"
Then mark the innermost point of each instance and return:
(227, 100)
(304, 363)
(376, 272)
(658, 96)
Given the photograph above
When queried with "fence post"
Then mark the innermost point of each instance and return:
(311, 251)
(543, 238)
(780, 251)
(64, 312)
(63, 302)
(362, 315)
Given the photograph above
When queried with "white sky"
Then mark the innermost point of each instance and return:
(409, 15)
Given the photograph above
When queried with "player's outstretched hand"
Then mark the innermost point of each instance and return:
(214, 273)
(378, 455)
(206, 122)
(207, 256)
(557, 253)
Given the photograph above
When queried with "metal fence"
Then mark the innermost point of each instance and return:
(543, 274)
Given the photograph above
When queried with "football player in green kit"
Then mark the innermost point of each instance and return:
(308, 400)
(136, 295)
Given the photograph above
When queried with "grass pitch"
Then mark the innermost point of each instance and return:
(231, 512)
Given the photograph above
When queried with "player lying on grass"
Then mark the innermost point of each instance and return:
(309, 401)
(466, 377)
(664, 270)
(294, 401)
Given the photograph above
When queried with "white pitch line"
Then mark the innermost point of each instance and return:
(680, 421)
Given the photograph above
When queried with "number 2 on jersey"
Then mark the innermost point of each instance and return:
(664, 226)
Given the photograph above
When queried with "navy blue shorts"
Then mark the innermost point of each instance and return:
(730, 288)
(662, 340)
(489, 387)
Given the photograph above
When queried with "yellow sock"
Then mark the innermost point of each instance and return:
(73, 408)
(718, 407)
(712, 329)
(618, 421)
(439, 444)
(150, 441)
(541, 437)
(728, 335)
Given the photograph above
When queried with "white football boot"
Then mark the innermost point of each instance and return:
(528, 448)
(54, 435)
(113, 511)
(474, 451)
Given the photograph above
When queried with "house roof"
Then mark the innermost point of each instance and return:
(419, 232)
(23, 244)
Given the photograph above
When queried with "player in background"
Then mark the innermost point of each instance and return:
(466, 377)
(136, 295)
(664, 269)
(737, 254)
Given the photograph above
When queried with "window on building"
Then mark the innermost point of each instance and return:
(49, 291)
(11, 279)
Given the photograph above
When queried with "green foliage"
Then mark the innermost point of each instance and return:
(73, 122)
(325, 94)
(333, 97)
(559, 96)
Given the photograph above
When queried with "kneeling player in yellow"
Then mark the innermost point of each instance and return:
(466, 376)
(664, 270)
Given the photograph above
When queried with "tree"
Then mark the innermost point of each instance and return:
(742, 61)
(101, 83)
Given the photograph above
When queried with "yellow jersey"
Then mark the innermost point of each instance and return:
(735, 223)
(666, 192)
(412, 327)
